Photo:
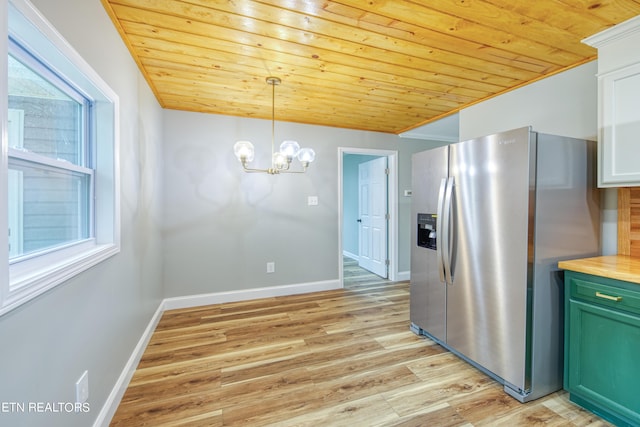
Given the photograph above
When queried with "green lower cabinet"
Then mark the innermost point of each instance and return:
(602, 346)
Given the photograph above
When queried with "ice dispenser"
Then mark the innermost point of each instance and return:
(427, 230)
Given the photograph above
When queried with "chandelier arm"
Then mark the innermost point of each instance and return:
(256, 170)
(273, 171)
(304, 169)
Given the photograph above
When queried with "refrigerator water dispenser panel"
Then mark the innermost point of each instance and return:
(427, 230)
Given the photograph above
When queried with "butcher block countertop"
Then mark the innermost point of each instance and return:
(620, 267)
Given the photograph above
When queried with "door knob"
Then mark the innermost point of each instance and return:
(359, 220)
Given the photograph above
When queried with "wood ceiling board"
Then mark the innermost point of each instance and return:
(308, 85)
(206, 42)
(484, 28)
(380, 40)
(438, 40)
(364, 64)
(168, 50)
(345, 53)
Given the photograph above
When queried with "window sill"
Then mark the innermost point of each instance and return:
(29, 284)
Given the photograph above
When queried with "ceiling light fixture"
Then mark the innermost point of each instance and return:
(281, 160)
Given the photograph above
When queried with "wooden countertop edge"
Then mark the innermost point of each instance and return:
(620, 267)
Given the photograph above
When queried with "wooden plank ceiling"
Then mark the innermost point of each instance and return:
(380, 65)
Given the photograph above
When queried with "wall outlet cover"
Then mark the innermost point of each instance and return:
(82, 388)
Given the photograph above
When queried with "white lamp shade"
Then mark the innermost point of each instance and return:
(306, 155)
(290, 148)
(244, 151)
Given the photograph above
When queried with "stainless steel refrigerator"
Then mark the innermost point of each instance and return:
(493, 216)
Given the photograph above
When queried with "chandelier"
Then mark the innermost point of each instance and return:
(280, 160)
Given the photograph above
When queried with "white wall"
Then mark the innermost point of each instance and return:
(565, 104)
(93, 321)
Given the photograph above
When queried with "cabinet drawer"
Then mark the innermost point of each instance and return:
(605, 295)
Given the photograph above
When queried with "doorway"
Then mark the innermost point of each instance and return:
(369, 247)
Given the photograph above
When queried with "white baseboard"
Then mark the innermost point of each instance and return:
(350, 255)
(403, 276)
(113, 400)
(249, 294)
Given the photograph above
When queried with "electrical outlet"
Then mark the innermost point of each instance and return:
(312, 201)
(271, 267)
(82, 388)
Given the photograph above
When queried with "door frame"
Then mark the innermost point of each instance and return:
(392, 191)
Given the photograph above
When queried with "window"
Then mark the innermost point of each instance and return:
(60, 197)
(50, 170)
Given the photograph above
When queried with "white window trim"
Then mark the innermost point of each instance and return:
(15, 127)
(21, 282)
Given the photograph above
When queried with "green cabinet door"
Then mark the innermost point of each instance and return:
(602, 366)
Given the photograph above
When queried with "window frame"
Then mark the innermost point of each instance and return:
(28, 276)
(83, 165)
(17, 159)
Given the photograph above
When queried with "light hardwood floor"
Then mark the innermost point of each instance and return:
(335, 358)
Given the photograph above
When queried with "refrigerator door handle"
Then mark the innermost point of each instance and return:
(446, 255)
(441, 239)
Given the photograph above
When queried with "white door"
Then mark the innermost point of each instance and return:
(372, 185)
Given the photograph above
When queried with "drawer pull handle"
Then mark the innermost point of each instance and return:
(609, 297)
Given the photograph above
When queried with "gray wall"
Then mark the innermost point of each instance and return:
(93, 321)
(222, 225)
(565, 104)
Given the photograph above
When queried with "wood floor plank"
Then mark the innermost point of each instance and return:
(369, 362)
(440, 415)
(334, 358)
(303, 358)
(367, 411)
(163, 412)
(560, 404)
(319, 397)
(534, 414)
(184, 388)
(458, 382)
(291, 382)
(161, 375)
(484, 404)
(164, 343)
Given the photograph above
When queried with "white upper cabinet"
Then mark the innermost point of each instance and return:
(618, 104)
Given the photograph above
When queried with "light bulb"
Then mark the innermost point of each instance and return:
(290, 148)
(244, 151)
(280, 160)
(306, 155)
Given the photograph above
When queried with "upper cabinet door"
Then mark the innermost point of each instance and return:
(619, 128)
(618, 104)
